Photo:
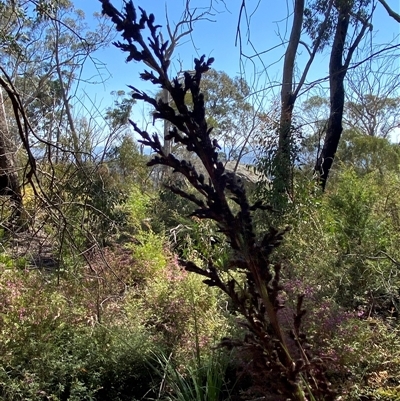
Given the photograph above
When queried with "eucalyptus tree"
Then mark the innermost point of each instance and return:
(348, 25)
(313, 121)
(46, 46)
(373, 95)
(373, 115)
(336, 27)
(236, 121)
(238, 125)
(339, 25)
(290, 89)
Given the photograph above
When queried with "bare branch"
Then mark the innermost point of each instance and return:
(391, 13)
(316, 47)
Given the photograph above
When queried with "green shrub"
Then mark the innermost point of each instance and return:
(183, 315)
(344, 245)
(52, 348)
(76, 363)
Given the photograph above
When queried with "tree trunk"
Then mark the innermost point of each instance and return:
(337, 73)
(9, 184)
(282, 162)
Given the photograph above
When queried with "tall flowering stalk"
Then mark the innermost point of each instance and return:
(280, 352)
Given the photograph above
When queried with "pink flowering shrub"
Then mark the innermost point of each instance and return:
(53, 347)
(180, 311)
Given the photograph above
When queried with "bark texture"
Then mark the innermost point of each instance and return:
(9, 184)
(288, 98)
(338, 67)
(337, 73)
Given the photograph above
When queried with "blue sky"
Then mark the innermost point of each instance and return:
(214, 39)
(268, 29)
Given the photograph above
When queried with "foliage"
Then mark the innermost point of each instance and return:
(118, 115)
(51, 44)
(77, 364)
(367, 153)
(373, 95)
(270, 186)
(78, 337)
(184, 316)
(91, 205)
(374, 116)
(52, 350)
(315, 13)
(190, 237)
(342, 253)
(126, 164)
(313, 118)
(229, 112)
(171, 210)
(353, 233)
